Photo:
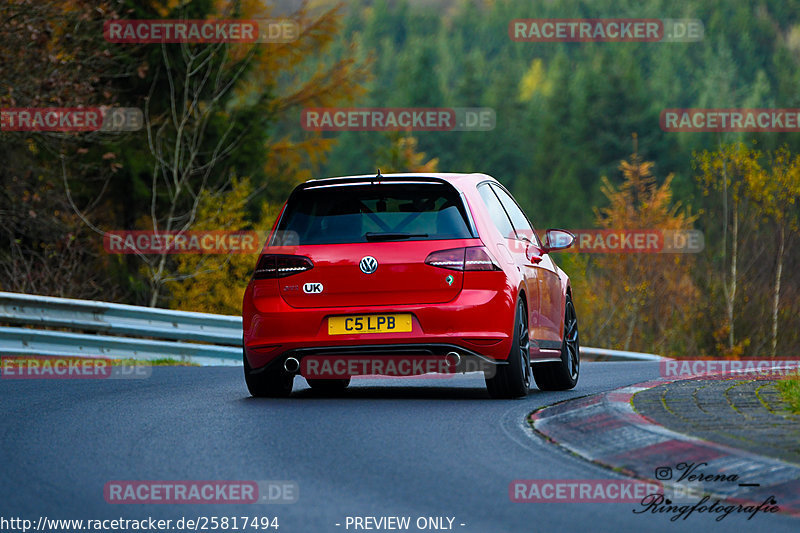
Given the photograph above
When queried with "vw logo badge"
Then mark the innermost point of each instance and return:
(368, 264)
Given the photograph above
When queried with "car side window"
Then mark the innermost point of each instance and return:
(496, 211)
(521, 223)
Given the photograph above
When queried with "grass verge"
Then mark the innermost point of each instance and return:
(790, 391)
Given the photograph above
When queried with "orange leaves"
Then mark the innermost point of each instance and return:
(641, 301)
(640, 202)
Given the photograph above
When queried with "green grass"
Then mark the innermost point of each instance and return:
(790, 391)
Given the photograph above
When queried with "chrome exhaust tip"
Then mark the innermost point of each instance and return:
(291, 365)
(453, 359)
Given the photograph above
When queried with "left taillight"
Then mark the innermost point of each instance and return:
(281, 266)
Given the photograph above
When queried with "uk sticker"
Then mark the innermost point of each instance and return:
(312, 288)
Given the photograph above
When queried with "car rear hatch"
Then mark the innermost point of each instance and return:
(368, 243)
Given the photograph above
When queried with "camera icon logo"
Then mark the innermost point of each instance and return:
(663, 473)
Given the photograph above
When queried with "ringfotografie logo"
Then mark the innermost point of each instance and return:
(694, 487)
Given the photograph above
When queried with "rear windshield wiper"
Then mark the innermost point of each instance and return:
(392, 236)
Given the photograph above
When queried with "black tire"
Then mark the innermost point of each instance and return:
(562, 375)
(513, 380)
(328, 385)
(271, 382)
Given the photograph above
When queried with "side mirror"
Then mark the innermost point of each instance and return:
(557, 239)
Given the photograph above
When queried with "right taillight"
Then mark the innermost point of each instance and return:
(281, 266)
(474, 258)
(477, 258)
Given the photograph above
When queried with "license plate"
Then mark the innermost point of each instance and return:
(358, 324)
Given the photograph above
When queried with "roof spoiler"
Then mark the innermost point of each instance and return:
(369, 180)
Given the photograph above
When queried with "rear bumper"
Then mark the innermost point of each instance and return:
(476, 323)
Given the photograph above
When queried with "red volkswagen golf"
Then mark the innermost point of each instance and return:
(406, 266)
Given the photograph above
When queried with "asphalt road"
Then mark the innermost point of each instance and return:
(389, 447)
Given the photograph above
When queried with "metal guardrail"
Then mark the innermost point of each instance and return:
(103, 329)
(603, 354)
(158, 333)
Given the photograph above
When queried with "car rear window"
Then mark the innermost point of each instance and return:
(373, 213)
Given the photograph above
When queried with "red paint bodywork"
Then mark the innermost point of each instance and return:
(475, 313)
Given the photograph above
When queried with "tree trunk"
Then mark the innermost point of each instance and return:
(154, 295)
(776, 293)
(731, 292)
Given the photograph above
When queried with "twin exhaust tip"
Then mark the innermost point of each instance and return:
(292, 364)
(453, 359)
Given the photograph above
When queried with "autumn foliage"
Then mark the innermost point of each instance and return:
(638, 301)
